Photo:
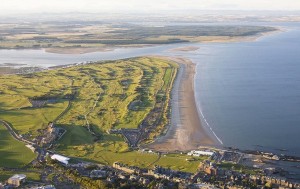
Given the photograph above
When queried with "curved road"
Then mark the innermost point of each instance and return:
(14, 134)
(41, 151)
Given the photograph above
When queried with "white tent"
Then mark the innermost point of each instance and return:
(62, 159)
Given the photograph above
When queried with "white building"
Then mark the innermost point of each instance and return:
(45, 187)
(200, 153)
(60, 158)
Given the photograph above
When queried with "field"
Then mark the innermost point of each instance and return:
(12, 152)
(108, 154)
(103, 36)
(89, 101)
(108, 95)
(31, 175)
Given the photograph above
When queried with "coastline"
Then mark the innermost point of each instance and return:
(186, 131)
(201, 39)
(81, 50)
(184, 49)
(228, 39)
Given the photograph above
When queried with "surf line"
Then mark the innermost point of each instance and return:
(210, 128)
(200, 110)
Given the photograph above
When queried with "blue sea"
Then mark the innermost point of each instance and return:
(249, 92)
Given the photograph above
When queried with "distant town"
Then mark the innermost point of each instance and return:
(213, 167)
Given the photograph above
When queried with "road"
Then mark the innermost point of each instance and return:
(14, 134)
(41, 151)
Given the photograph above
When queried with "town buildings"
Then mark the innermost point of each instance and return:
(17, 180)
(62, 159)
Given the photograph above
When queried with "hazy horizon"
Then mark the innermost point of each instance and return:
(13, 7)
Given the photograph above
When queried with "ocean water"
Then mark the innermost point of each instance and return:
(248, 92)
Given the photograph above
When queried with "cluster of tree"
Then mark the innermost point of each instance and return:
(45, 97)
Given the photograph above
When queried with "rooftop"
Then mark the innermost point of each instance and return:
(60, 158)
(18, 176)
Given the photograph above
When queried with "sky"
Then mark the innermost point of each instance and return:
(38, 6)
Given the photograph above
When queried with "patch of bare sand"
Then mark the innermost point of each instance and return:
(185, 49)
(186, 131)
(76, 50)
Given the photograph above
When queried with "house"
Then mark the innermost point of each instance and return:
(46, 187)
(133, 177)
(122, 176)
(126, 168)
(17, 180)
(98, 174)
(50, 127)
(202, 186)
(144, 181)
(111, 179)
(271, 157)
(61, 159)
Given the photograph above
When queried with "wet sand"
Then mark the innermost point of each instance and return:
(69, 50)
(185, 49)
(186, 131)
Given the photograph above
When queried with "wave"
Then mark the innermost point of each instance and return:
(202, 115)
(209, 127)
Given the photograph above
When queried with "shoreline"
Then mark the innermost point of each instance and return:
(203, 119)
(236, 39)
(186, 131)
(79, 50)
(185, 49)
(200, 39)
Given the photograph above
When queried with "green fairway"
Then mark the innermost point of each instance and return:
(108, 95)
(27, 121)
(30, 176)
(12, 152)
(111, 151)
(103, 96)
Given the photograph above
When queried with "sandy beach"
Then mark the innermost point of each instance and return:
(186, 131)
